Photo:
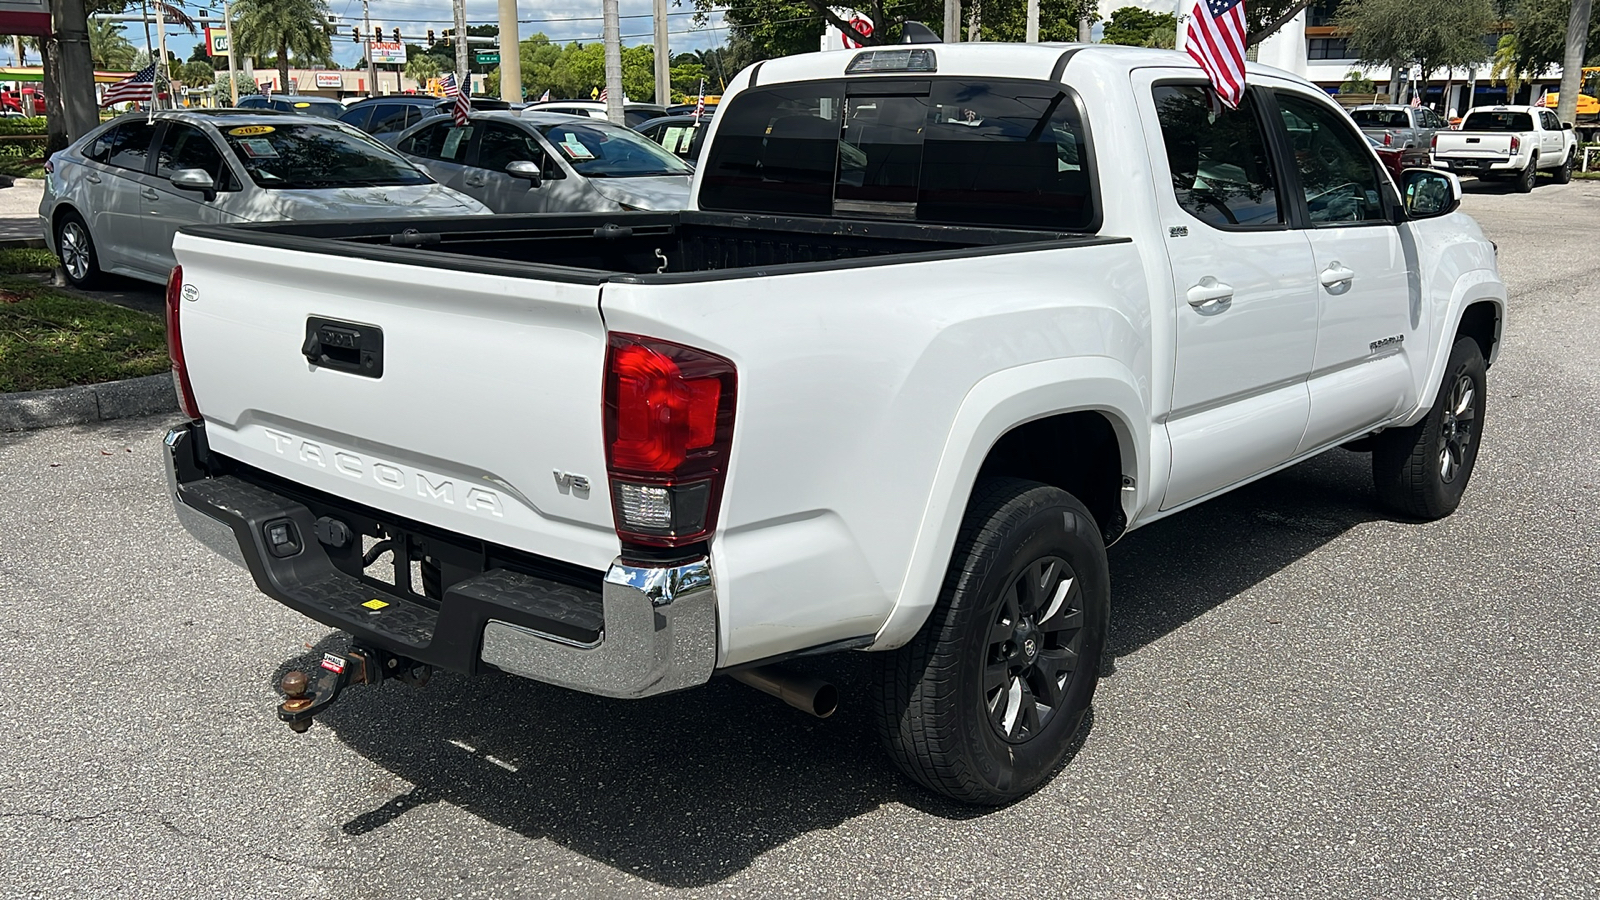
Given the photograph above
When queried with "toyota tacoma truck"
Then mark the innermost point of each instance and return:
(1516, 142)
(943, 323)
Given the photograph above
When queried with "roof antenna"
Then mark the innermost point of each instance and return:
(918, 33)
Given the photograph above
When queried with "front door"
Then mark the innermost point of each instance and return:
(1246, 314)
(1550, 140)
(504, 143)
(166, 208)
(1369, 311)
(441, 150)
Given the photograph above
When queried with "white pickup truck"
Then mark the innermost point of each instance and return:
(1516, 142)
(943, 324)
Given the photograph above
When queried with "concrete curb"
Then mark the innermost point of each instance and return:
(88, 403)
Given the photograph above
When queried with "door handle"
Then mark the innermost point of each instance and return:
(475, 182)
(92, 178)
(1335, 276)
(1210, 294)
(149, 194)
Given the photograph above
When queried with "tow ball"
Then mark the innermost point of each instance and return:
(306, 695)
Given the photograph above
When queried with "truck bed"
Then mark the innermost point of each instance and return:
(639, 247)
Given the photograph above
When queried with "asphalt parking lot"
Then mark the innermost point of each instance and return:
(1309, 700)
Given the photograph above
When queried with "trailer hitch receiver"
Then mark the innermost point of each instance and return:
(307, 695)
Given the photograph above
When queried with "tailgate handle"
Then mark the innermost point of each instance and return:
(344, 347)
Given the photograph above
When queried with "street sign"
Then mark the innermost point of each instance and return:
(488, 58)
(217, 41)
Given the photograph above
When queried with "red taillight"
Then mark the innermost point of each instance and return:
(1433, 144)
(1516, 143)
(668, 420)
(50, 166)
(1388, 139)
(180, 372)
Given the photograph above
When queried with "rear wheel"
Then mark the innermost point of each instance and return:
(1422, 471)
(984, 702)
(1564, 172)
(78, 257)
(1526, 177)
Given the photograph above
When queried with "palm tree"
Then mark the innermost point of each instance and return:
(422, 68)
(281, 27)
(107, 47)
(1505, 66)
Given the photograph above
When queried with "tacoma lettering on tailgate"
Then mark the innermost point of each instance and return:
(437, 488)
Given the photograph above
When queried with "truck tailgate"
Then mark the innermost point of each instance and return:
(1473, 145)
(489, 392)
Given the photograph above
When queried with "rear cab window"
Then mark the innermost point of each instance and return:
(939, 150)
(1380, 118)
(1489, 120)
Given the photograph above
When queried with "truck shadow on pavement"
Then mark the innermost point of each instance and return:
(689, 789)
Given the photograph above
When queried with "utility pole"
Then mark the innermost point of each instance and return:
(366, 38)
(663, 56)
(613, 46)
(227, 31)
(1572, 65)
(463, 73)
(161, 40)
(1032, 35)
(510, 54)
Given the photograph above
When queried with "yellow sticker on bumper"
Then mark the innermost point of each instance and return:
(374, 604)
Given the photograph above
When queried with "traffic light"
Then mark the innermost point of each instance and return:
(377, 34)
(397, 36)
(430, 37)
(355, 34)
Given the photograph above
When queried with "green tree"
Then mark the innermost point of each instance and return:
(195, 74)
(279, 28)
(1430, 34)
(108, 47)
(1507, 65)
(422, 68)
(1357, 83)
(1539, 31)
(1137, 27)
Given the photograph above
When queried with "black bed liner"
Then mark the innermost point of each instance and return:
(641, 247)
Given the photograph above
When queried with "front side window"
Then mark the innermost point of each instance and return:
(502, 145)
(945, 151)
(187, 147)
(388, 118)
(293, 156)
(1551, 123)
(1217, 158)
(444, 141)
(1341, 180)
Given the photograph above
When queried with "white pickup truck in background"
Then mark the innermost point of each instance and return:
(1517, 142)
(943, 323)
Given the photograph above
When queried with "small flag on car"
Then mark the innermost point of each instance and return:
(700, 103)
(604, 94)
(463, 103)
(545, 97)
(1215, 40)
(139, 88)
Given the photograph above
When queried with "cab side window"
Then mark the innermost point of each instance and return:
(1217, 157)
(1340, 178)
(187, 147)
(388, 117)
(444, 141)
(131, 147)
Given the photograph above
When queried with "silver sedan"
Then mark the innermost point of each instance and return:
(545, 162)
(115, 198)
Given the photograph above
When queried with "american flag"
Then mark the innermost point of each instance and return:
(139, 87)
(1216, 41)
(700, 104)
(605, 93)
(463, 104)
(545, 97)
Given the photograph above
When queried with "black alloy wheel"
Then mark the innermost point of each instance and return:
(1033, 649)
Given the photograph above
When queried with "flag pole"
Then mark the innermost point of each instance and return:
(161, 38)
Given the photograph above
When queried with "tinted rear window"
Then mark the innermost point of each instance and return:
(1380, 118)
(946, 151)
(1497, 121)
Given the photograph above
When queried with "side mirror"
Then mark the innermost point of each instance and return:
(195, 180)
(1566, 126)
(1430, 193)
(526, 170)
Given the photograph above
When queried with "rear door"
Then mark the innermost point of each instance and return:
(1246, 304)
(441, 149)
(115, 208)
(1369, 313)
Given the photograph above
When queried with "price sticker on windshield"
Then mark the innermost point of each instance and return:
(251, 130)
(258, 148)
(574, 148)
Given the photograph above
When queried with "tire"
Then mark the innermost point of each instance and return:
(79, 260)
(1526, 177)
(1563, 172)
(1021, 617)
(1422, 471)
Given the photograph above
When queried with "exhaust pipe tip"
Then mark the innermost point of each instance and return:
(812, 696)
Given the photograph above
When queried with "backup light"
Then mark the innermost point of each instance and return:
(869, 62)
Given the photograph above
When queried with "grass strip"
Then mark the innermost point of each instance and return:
(51, 340)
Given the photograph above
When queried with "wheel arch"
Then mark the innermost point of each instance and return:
(1086, 411)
